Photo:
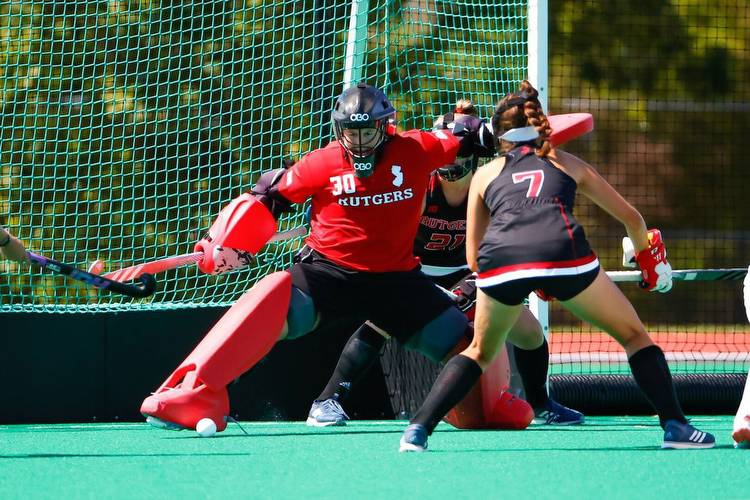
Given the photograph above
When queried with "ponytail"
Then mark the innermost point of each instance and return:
(519, 110)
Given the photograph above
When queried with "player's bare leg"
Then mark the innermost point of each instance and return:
(489, 405)
(603, 305)
(531, 351)
(491, 326)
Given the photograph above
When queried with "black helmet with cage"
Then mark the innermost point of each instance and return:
(367, 115)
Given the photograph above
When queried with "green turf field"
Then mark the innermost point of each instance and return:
(608, 457)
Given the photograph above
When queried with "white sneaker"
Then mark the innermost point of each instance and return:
(325, 413)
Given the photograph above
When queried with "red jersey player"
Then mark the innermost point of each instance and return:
(367, 189)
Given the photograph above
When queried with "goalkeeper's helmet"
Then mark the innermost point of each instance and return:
(362, 118)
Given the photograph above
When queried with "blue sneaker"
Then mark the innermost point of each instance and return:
(325, 413)
(414, 439)
(681, 436)
(554, 413)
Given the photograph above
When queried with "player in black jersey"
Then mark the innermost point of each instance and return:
(440, 245)
(521, 237)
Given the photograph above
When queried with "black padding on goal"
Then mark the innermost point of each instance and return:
(699, 393)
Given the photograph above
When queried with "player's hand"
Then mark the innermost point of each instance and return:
(656, 271)
(476, 136)
(12, 248)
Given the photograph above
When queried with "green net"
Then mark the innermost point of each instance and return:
(128, 125)
(667, 83)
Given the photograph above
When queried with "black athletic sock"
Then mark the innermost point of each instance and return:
(532, 366)
(455, 381)
(360, 352)
(651, 373)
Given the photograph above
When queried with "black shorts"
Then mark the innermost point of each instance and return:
(400, 303)
(514, 292)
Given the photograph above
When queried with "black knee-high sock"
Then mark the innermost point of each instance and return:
(651, 373)
(455, 381)
(532, 366)
(360, 352)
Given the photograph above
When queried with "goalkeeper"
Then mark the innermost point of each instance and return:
(440, 247)
(357, 262)
(522, 237)
(11, 247)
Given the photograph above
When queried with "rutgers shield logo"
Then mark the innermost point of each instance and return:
(398, 175)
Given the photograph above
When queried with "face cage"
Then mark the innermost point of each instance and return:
(361, 150)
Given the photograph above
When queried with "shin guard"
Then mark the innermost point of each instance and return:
(241, 338)
(488, 405)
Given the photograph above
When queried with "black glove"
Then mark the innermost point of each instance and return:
(267, 192)
(476, 136)
(465, 292)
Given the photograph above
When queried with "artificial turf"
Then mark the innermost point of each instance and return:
(607, 457)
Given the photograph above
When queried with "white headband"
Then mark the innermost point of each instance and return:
(522, 134)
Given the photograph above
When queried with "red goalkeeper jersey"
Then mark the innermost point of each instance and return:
(369, 224)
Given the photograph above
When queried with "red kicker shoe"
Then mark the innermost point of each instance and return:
(178, 407)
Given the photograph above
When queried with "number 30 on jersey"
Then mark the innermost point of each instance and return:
(343, 184)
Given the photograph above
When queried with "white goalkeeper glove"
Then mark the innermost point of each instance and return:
(628, 253)
(229, 259)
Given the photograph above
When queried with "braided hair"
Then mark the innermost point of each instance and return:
(518, 110)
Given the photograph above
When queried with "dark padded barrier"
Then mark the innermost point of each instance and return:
(699, 393)
(99, 367)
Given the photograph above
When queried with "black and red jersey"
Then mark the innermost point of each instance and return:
(369, 224)
(532, 231)
(441, 238)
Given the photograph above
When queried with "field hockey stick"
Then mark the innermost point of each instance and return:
(144, 289)
(167, 263)
(567, 127)
(730, 274)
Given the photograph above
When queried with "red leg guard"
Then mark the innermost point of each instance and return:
(241, 338)
(488, 405)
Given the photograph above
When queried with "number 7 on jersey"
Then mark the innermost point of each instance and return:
(536, 178)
